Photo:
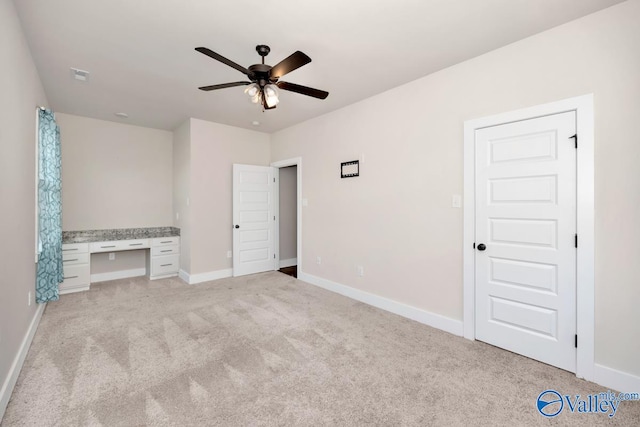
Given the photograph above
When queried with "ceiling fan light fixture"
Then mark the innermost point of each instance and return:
(253, 90)
(271, 95)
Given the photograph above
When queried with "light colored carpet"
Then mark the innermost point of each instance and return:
(269, 349)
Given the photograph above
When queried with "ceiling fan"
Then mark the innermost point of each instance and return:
(265, 78)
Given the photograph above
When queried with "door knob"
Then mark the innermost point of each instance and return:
(481, 246)
(237, 226)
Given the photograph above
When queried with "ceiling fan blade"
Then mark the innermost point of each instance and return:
(224, 86)
(222, 59)
(304, 90)
(290, 63)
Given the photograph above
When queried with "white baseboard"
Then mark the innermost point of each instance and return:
(18, 361)
(193, 279)
(288, 262)
(615, 380)
(425, 317)
(183, 275)
(65, 291)
(115, 275)
(163, 276)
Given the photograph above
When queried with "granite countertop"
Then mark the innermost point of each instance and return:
(89, 236)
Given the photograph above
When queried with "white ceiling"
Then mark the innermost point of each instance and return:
(142, 61)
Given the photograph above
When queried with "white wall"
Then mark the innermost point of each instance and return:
(114, 175)
(123, 261)
(396, 219)
(214, 149)
(288, 212)
(21, 90)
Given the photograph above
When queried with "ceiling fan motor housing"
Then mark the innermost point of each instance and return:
(259, 73)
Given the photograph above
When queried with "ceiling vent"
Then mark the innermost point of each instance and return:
(81, 75)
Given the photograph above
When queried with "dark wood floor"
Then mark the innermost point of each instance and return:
(291, 271)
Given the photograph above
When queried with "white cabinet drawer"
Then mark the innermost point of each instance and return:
(75, 258)
(165, 250)
(77, 248)
(160, 241)
(75, 276)
(118, 245)
(162, 265)
(104, 247)
(136, 244)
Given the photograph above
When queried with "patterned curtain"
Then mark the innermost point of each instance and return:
(49, 270)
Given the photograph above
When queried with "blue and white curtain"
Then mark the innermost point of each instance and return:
(49, 270)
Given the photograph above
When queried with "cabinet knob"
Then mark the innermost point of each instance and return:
(237, 226)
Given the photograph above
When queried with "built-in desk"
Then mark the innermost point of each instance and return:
(163, 258)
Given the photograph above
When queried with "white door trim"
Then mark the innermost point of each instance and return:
(296, 161)
(276, 218)
(585, 298)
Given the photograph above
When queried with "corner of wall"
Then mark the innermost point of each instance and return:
(182, 190)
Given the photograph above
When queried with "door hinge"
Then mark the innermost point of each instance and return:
(575, 137)
(274, 217)
(274, 256)
(474, 245)
(576, 341)
(274, 180)
(576, 240)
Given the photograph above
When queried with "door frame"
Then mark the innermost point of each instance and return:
(296, 161)
(585, 275)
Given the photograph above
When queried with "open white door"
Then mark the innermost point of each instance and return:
(253, 219)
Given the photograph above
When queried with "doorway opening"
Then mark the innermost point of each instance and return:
(288, 224)
(288, 205)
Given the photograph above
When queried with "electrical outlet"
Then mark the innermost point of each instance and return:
(456, 201)
(318, 260)
(229, 254)
(29, 299)
(360, 271)
(112, 256)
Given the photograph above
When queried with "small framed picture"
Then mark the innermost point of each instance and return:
(350, 169)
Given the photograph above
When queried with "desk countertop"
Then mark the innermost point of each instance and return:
(89, 236)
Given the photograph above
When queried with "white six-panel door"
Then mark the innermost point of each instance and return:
(526, 219)
(253, 219)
